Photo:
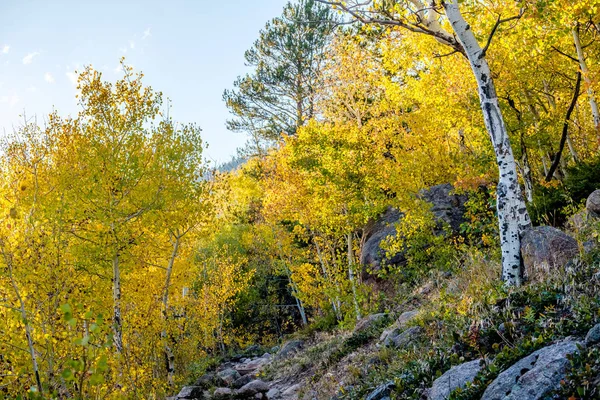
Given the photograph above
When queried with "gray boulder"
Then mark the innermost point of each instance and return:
(251, 389)
(238, 383)
(593, 336)
(191, 392)
(208, 380)
(405, 338)
(222, 394)
(381, 392)
(534, 376)
(273, 393)
(291, 347)
(446, 207)
(229, 376)
(593, 203)
(369, 321)
(397, 327)
(456, 377)
(372, 256)
(546, 249)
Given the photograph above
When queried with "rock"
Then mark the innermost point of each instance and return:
(456, 377)
(229, 376)
(291, 347)
(273, 393)
(252, 388)
(238, 383)
(372, 256)
(291, 391)
(191, 392)
(534, 376)
(381, 392)
(593, 203)
(405, 338)
(253, 350)
(368, 322)
(447, 208)
(222, 394)
(545, 249)
(397, 327)
(208, 380)
(578, 222)
(593, 336)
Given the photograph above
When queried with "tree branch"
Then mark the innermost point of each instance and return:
(495, 28)
(565, 130)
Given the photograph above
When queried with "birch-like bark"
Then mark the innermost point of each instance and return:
(117, 319)
(351, 277)
(28, 328)
(335, 303)
(512, 213)
(588, 82)
(169, 356)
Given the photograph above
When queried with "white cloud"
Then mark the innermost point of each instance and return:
(72, 77)
(28, 59)
(48, 77)
(10, 100)
(5, 49)
(31, 89)
(118, 69)
(123, 49)
(132, 44)
(146, 34)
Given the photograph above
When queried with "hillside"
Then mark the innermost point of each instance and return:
(415, 215)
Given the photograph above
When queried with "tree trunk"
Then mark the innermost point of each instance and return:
(512, 213)
(169, 356)
(117, 322)
(351, 277)
(335, 303)
(586, 78)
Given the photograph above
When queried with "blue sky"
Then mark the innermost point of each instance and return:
(190, 50)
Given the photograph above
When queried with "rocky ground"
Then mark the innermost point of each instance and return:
(323, 366)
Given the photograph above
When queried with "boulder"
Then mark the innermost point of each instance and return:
(368, 322)
(546, 249)
(372, 256)
(381, 392)
(222, 394)
(291, 347)
(593, 203)
(534, 376)
(229, 376)
(273, 393)
(397, 327)
(251, 389)
(291, 391)
(238, 383)
(446, 207)
(208, 380)
(593, 336)
(405, 338)
(456, 377)
(191, 392)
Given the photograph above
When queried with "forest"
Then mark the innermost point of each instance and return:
(418, 195)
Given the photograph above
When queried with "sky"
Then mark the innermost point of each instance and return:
(189, 50)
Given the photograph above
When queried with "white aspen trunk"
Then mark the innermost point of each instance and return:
(117, 321)
(334, 303)
(572, 149)
(588, 82)
(351, 277)
(28, 333)
(169, 356)
(512, 213)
